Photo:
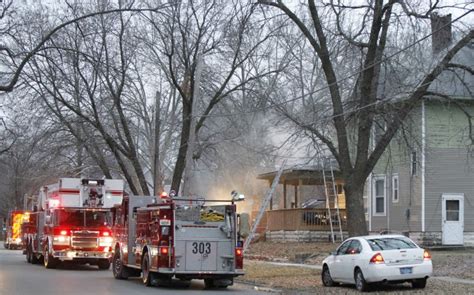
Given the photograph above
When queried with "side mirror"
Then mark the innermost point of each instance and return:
(244, 225)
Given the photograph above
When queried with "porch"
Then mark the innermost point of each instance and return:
(309, 201)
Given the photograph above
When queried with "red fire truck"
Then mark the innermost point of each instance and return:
(13, 234)
(178, 238)
(73, 222)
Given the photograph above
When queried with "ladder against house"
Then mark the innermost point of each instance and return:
(332, 199)
(264, 206)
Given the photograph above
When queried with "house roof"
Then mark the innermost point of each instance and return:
(302, 176)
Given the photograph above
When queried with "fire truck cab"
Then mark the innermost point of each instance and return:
(73, 222)
(162, 239)
(13, 226)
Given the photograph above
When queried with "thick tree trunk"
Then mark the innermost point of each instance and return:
(356, 224)
(183, 148)
(157, 178)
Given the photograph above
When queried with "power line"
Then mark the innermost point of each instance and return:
(342, 79)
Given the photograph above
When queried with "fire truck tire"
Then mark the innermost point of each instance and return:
(103, 264)
(148, 277)
(119, 270)
(49, 260)
(34, 258)
(29, 254)
(209, 283)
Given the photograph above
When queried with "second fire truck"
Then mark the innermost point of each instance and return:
(13, 227)
(73, 222)
(167, 238)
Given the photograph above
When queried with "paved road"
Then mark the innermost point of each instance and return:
(19, 277)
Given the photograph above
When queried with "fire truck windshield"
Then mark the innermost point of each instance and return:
(82, 218)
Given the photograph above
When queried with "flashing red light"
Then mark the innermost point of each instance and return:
(164, 250)
(163, 195)
(53, 203)
(63, 232)
(377, 259)
(426, 255)
(238, 251)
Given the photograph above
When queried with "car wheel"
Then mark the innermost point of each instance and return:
(326, 277)
(361, 284)
(419, 283)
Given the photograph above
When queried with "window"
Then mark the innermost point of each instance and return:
(413, 163)
(343, 248)
(379, 196)
(397, 243)
(395, 188)
(452, 210)
(354, 248)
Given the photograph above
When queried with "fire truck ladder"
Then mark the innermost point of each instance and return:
(264, 205)
(330, 189)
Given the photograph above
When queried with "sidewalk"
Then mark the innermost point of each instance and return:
(318, 267)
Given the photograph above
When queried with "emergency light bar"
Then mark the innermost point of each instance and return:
(213, 201)
(92, 182)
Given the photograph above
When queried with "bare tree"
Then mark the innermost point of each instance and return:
(355, 101)
(217, 33)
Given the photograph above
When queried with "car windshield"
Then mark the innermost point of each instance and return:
(82, 218)
(393, 243)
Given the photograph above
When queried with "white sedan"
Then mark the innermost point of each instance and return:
(377, 259)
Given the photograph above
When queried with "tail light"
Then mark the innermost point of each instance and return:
(239, 258)
(164, 259)
(426, 255)
(377, 259)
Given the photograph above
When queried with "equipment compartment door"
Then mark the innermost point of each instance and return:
(201, 255)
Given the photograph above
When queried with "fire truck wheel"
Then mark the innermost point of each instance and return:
(209, 283)
(103, 264)
(148, 277)
(49, 260)
(34, 259)
(28, 253)
(119, 270)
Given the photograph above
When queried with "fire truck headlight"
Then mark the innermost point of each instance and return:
(106, 241)
(18, 240)
(61, 240)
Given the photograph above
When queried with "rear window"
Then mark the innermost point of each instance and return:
(391, 244)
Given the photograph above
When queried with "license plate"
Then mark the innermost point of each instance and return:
(406, 270)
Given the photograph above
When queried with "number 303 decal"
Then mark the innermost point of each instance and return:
(201, 248)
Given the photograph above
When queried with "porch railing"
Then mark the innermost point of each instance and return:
(304, 219)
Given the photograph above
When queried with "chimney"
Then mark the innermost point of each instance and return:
(441, 32)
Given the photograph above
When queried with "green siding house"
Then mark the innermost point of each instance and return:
(424, 184)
